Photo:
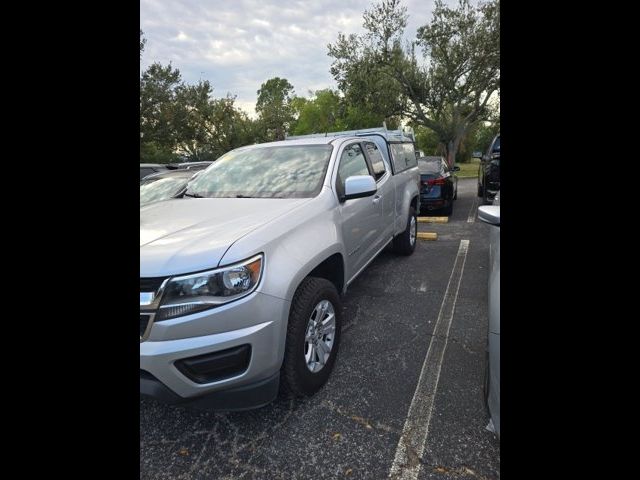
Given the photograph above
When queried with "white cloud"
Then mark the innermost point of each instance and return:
(239, 45)
(182, 37)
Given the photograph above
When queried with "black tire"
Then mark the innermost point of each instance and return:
(296, 378)
(455, 197)
(402, 243)
(447, 211)
(480, 190)
(485, 197)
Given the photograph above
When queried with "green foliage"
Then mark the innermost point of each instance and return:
(327, 111)
(477, 138)
(274, 107)
(184, 122)
(232, 128)
(181, 122)
(150, 152)
(483, 135)
(444, 83)
(193, 120)
(143, 41)
(446, 89)
(158, 88)
(427, 141)
(469, 169)
(323, 112)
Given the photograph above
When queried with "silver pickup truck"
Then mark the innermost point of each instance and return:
(241, 278)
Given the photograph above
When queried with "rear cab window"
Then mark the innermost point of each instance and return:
(403, 156)
(375, 157)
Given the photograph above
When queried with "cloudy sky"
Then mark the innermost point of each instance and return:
(239, 44)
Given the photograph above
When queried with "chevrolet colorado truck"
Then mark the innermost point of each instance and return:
(241, 278)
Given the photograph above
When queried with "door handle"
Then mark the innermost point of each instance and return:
(376, 198)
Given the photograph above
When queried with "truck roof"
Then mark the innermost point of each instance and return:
(297, 141)
(389, 135)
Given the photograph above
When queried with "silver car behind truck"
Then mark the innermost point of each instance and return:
(240, 280)
(491, 215)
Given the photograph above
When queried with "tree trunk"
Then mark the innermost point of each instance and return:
(279, 133)
(450, 152)
(451, 149)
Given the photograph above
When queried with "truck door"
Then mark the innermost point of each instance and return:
(361, 217)
(386, 191)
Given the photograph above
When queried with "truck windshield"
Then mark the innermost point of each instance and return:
(292, 171)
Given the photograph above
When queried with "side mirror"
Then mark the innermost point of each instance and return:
(476, 155)
(489, 214)
(358, 186)
(456, 168)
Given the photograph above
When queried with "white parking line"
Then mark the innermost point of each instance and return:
(407, 462)
(472, 213)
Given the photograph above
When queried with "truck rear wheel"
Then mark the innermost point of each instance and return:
(405, 243)
(313, 337)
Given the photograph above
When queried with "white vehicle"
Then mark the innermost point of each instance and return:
(240, 280)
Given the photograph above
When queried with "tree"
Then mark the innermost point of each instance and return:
(184, 122)
(206, 128)
(158, 88)
(371, 96)
(328, 111)
(427, 141)
(143, 41)
(322, 113)
(483, 136)
(274, 107)
(232, 128)
(193, 121)
(448, 87)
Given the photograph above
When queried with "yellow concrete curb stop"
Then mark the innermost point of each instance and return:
(433, 219)
(428, 235)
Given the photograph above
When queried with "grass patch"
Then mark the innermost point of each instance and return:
(469, 169)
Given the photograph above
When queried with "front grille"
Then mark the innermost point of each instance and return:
(151, 284)
(144, 321)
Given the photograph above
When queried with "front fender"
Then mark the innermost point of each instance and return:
(293, 245)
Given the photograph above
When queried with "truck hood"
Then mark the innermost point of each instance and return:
(188, 235)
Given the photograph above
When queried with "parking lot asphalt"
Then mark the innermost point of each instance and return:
(353, 426)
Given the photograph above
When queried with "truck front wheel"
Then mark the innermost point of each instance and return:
(405, 243)
(313, 337)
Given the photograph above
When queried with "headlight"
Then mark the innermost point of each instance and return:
(200, 291)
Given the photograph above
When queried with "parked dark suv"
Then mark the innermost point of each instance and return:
(489, 172)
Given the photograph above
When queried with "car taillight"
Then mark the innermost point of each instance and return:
(435, 181)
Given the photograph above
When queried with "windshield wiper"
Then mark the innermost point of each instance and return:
(192, 195)
(244, 196)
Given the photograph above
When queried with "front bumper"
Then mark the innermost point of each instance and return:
(257, 320)
(244, 397)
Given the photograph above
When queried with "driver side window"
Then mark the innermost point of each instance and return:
(352, 162)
